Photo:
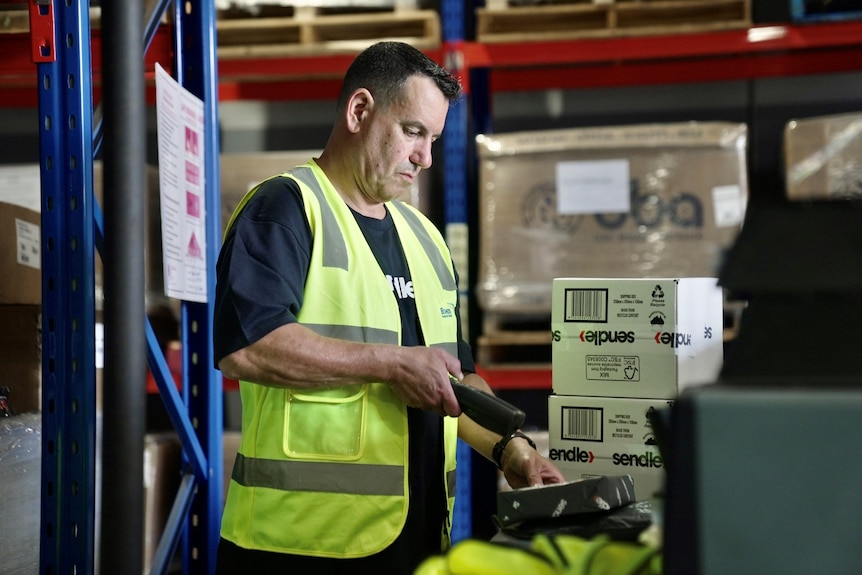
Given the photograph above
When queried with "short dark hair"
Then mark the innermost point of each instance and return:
(383, 68)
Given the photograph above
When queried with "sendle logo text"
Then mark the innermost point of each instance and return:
(605, 336)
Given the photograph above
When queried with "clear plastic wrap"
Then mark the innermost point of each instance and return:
(823, 157)
(685, 198)
(20, 478)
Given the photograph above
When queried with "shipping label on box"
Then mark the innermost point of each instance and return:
(660, 200)
(635, 337)
(606, 436)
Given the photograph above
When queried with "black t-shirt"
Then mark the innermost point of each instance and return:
(261, 276)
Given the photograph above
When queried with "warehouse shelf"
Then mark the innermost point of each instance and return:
(65, 55)
(756, 52)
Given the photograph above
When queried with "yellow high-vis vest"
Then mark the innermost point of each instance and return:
(324, 473)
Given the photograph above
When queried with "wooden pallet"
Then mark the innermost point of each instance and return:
(511, 339)
(316, 30)
(514, 348)
(508, 21)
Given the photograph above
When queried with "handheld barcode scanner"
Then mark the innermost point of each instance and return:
(487, 410)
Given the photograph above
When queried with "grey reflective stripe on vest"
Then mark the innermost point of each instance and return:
(355, 333)
(319, 476)
(443, 273)
(334, 248)
(450, 482)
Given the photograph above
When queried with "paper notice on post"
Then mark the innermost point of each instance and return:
(181, 177)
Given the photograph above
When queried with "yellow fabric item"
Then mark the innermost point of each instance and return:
(557, 555)
(324, 472)
(598, 556)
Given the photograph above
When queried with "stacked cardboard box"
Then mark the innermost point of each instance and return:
(621, 348)
(657, 200)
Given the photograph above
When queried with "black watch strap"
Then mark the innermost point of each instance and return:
(500, 446)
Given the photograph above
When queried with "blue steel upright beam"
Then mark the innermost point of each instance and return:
(455, 220)
(68, 287)
(197, 71)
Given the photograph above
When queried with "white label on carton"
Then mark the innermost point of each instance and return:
(612, 367)
(27, 244)
(597, 187)
(728, 205)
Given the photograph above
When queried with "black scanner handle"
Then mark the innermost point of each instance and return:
(488, 410)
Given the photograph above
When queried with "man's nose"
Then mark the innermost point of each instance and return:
(422, 155)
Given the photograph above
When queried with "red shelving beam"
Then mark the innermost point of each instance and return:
(760, 51)
(520, 377)
(18, 80)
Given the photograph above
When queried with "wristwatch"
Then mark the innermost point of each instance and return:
(500, 446)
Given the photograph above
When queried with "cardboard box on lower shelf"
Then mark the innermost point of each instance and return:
(21, 356)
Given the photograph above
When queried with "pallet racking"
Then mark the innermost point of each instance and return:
(63, 47)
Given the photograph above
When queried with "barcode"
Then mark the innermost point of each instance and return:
(582, 423)
(586, 305)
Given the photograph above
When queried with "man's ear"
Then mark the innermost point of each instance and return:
(359, 106)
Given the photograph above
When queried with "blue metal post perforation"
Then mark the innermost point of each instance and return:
(202, 383)
(68, 299)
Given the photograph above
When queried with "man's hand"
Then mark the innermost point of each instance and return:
(421, 379)
(523, 466)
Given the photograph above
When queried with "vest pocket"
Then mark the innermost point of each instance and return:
(326, 424)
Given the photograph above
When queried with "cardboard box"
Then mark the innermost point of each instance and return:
(20, 255)
(596, 436)
(635, 337)
(162, 467)
(661, 200)
(21, 356)
(823, 158)
(21, 239)
(162, 476)
(241, 172)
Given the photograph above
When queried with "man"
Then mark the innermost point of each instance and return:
(336, 308)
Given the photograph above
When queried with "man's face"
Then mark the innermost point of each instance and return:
(397, 139)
